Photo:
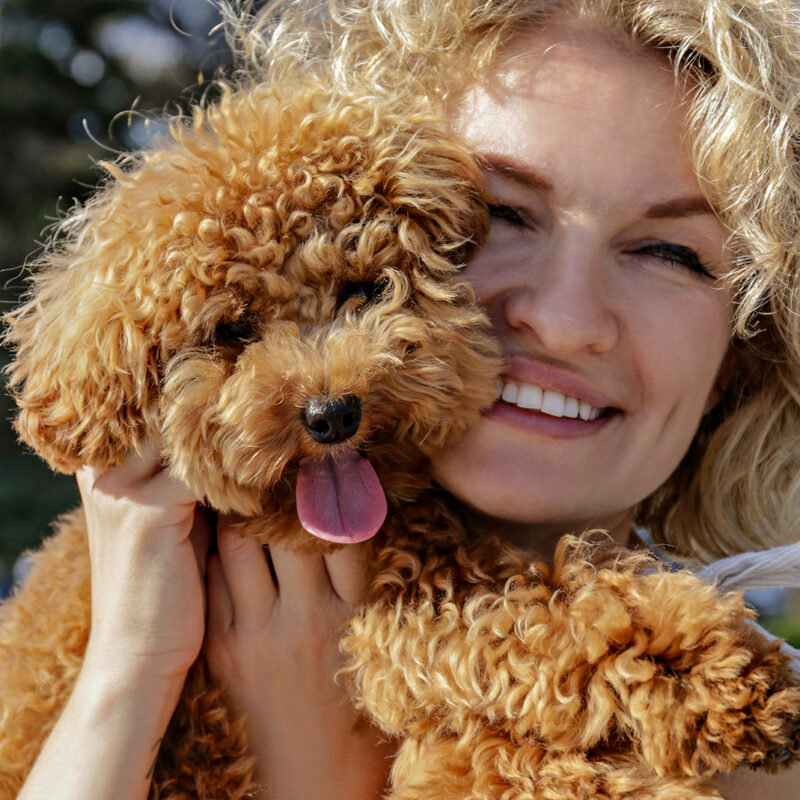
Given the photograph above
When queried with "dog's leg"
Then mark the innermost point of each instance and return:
(656, 663)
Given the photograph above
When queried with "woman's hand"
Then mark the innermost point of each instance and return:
(148, 548)
(273, 643)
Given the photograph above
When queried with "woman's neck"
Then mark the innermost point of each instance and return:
(542, 538)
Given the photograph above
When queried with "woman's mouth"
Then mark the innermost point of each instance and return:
(531, 397)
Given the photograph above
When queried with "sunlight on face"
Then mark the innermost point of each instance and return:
(599, 276)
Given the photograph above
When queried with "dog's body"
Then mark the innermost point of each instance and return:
(273, 294)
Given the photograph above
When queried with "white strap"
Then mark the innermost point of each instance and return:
(778, 568)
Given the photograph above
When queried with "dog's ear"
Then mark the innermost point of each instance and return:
(83, 372)
(112, 292)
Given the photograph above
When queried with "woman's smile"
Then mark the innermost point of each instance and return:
(600, 278)
(553, 402)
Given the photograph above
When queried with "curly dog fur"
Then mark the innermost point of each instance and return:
(284, 247)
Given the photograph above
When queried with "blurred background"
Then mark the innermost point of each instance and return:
(70, 71)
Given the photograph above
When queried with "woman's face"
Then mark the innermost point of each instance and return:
(598, 276)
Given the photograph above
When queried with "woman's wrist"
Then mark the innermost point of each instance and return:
(107, 739)
(149, 695)
(112, 669)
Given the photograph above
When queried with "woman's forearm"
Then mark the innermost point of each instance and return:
(147, 547)
(106, 741)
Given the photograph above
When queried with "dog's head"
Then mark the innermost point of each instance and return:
(273, 293)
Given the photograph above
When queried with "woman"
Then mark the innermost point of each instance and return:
(640, 275)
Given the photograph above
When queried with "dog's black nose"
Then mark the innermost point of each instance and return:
(331, 421)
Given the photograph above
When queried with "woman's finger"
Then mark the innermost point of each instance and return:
(302, 578)
(200, 537)
(347, 572)
(220, 606)
(141, 477)
(247, 575)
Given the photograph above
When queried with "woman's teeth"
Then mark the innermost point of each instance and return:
(534, 398)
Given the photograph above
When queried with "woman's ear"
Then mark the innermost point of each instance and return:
(83, 372)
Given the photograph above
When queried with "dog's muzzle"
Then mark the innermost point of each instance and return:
(330, 421)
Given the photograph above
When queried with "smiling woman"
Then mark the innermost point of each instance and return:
(600, 277)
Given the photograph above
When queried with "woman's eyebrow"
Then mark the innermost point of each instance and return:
(517, 173)
(528, 178)
(679, 207)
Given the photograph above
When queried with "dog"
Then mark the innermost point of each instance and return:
(273, 293)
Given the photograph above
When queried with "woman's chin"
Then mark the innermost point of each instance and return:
(501, 482)
(521, 504)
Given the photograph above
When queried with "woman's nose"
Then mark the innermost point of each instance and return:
(564, 310)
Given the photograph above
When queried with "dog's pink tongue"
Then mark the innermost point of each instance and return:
(340, 500)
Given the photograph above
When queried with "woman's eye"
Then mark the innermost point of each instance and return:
(507, 214)
(677, 255)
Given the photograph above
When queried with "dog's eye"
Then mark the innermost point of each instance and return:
(238, 331)
(357, 294)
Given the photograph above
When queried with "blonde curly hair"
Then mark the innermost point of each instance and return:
(738, 487)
